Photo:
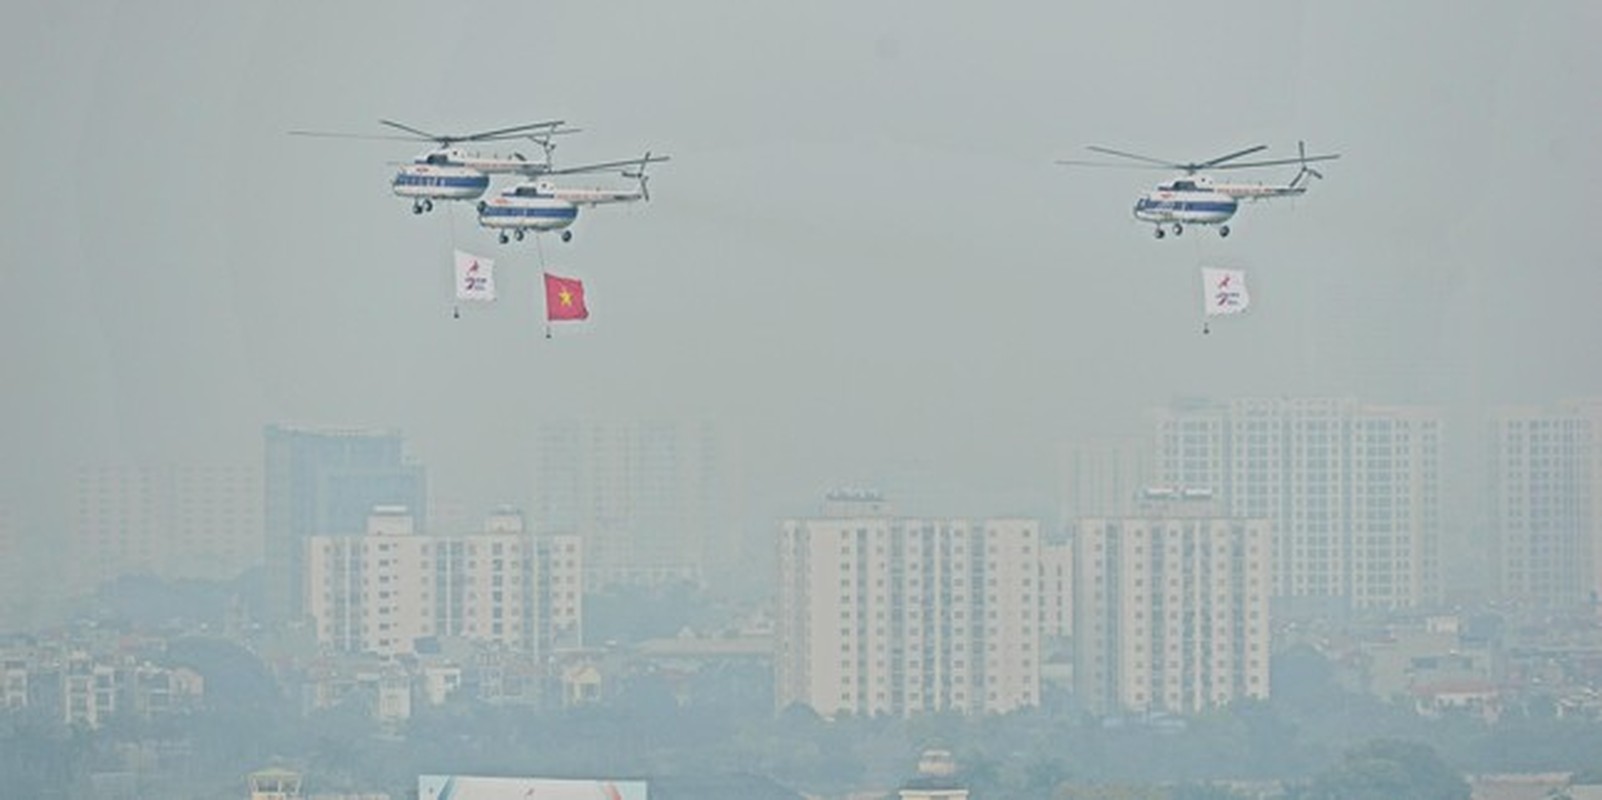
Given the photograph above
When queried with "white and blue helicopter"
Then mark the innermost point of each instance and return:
(537, 205)
(448, 172)
(1196, 199)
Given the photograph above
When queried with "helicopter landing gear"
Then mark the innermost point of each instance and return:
(567, 236)
(1179, 230)
(504, 238)
(1223, 231)
(1158, 232)
(518, 234)
(417, 207)
(428, 205)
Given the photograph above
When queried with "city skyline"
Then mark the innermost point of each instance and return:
(1088, 475)
(868, 274)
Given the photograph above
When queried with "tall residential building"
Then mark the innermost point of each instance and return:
(172, 522)
(880, 614)
(383, 591)
(1171, 607)
(1546, 502)
(1353, 491)
(325, 483)
(648, 498)
(1057, 590)
(1102, 478)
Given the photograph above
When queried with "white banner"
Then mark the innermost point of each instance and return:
(475, 278)
(474, 787)
(1224, 291)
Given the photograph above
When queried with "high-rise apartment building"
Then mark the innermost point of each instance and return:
(1353, 491)
(1102, 478)
(1057, 590)
(1546, 502)
(326, 483)
(171, 522)
(648, 498)
(880, 614)
(1171, 607)
(383, 591)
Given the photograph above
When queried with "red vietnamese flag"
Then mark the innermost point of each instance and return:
(564, 299)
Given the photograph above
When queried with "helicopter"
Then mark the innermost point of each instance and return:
(538, 205)
(448, 172)
(1196, 199)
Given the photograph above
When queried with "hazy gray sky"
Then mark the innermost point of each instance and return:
(861, 258)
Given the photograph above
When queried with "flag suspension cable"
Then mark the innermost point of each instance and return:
(539, 250)
(450, 216)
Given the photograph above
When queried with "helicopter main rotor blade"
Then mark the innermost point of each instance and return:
(1277, 162)
(514, 131)
(1068, 162)
(415, 132)
(535, 135)
(340, 135)
(1232, 156)
(540, 134)
(605, 166)
(1148, 159)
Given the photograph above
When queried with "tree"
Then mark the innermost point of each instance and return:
(1591, 776)
(1386, 769)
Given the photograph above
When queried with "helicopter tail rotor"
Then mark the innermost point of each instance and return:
(1305, 171)
(638, 173)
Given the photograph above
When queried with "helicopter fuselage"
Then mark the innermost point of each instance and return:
(436, 182)
(536, 206)
(1185, 206)
(526, 213)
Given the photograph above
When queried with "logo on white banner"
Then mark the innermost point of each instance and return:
(1224, 291)
(475, 277)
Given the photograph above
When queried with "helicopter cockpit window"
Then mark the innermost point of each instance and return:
(436, 158)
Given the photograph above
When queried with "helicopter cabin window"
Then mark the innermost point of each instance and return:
(437, 158)
(1184, 185)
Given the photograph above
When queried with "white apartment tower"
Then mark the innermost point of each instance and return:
(1171, 607)
(880, 614)
(1546, 502)
(381, 592)
(1353, 491)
